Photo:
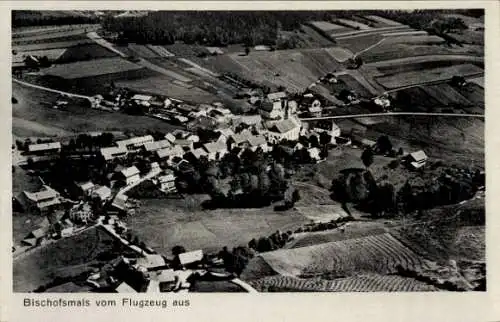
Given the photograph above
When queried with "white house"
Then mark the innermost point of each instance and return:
(225, 134)
(215, 150)
(239, 140)
(45, 148)
(103, 193)
(418, 159)
(175, 151)
(190, 257)
(287, 129)
(113, 152)
(167, 182)
(130, 175)
(258, 141)
(157, 145)
(135, 142)
(41, 201)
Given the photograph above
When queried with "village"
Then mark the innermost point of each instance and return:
(218, 192)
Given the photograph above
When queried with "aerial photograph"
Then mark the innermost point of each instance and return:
(248, 151)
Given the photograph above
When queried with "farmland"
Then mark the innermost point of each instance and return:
(379, 253)
(91, 68)
(164, 223)
(66, 258)
(446, 95)
(429, 75)
(31, 118)
(362, 283)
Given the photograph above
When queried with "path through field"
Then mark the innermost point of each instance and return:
(51, 90)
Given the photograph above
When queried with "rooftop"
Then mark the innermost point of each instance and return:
(44, 146)
(138, 140)
(47, 193)
(276, 96)
(419, 156)
(214, 147)
(131, 171)
(157, 145)
(284, 126)
(191, 257)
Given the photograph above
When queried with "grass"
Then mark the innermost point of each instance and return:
(31, 118)
(380, 253)
(428, 75)
(165, 223)
(64, 258)
(91, 68)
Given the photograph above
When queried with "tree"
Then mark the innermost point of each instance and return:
(313, 140)
(177, 250)
(325, 138)
(458, 81)
(367, 157)
(384, 145)
(247, 50)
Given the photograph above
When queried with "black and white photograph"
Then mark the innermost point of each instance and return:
(163, 151)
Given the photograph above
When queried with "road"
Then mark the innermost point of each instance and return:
(104, 43)
(388, 114)
(51, 90)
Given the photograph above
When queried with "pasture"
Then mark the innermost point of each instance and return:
(31, 118)
(446, 95)
(66, 258)
(164, 223)
(361, 283)
(428, 75)
(91, 68)
(381, 254)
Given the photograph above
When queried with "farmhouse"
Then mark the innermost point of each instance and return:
(102, 193)
(185, 145)
(156, 145)
(113, 152)
(129, 175)
(259, 141)
(135, 142)
(36, 237)
(44, 148)
(40, 202)
(239, 140)
(84, 188)
(417, 159)
(198, 153)
(81, 213)
(287, 129)
(273, 106)
(251, 120)
(166, 182)
(175, 151)
(215, 150)
(225, 134)
(190, 258)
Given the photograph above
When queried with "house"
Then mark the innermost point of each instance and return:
(143, 100)
(120, 202)
(186, 145)
(135, 142)
(170, 137)
(150, 261)
(155, 167)
(129, 175)
(36, 237)
(113, 152)
(40, 202)
(166, 182)
(273, 106)
(225, 134)
(258, 141)
(287, 129)
(190, 258)
(417, 159)
(81, 212)
(168, 153)
(250, 120)
(44, 148)
(84, 188)
(311, 103)
(239, 139)
(314, 111)
(156, 145)
(329, 127)
(198, 153)
(215, 150)
(103, 193)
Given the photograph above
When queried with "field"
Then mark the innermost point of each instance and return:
(142, 51)
(413, 39)
(91, 68)
(383, 20)
(415, 99)
(388, 51)
(382, 254)
(429, 75)
(312, 36)
(362, 283)
(359, 43)
(294, 69)
(446, 95)
(31, 118)
(354, 24)
(473, 92)
(162, 85)
(164, 223)
(51, 45)
(325, 25)
(51, 37)
(353, 230)
(348, 82)
(66, 258)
